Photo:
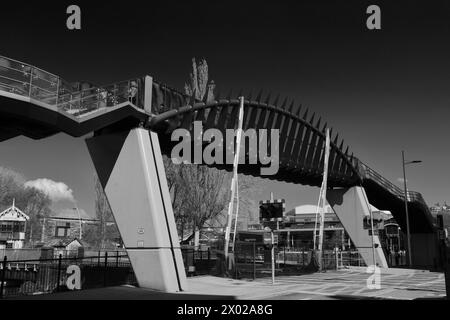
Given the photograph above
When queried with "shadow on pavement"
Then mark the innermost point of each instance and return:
(120, 293)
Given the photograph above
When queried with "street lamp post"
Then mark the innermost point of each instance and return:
(408, 235)
(79, 219)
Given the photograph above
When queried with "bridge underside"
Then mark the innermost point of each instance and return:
(419, 220)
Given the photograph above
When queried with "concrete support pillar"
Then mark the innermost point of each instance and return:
(351, 207)
(130, 168)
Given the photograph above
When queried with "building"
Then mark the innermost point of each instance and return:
(443, 210)
(12, 228)
(66, 247)
(69, 224)
(297, 228)
(66, 224)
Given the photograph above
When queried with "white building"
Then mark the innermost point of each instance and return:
(12, 228)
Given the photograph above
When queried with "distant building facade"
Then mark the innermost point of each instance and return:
(12, 228)
(297, 228)
(443, 210)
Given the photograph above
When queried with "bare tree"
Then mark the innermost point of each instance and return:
(198, 85)
(11, 184)
(35, 203)
(103, 234)
(206, 195)
(200, 195)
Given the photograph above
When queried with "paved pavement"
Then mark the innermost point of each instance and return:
(343, 284)
(331, 285)
(120, 293)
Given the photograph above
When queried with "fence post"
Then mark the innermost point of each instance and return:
(254, 263)
(98, 262)
(5, 258)
(59, 272)
(209, 254)
(105, 269)
(117, 259)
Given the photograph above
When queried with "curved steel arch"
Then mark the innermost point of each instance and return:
(301, 140)
(302, 163)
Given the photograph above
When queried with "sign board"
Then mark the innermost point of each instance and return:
(250, 236)
(271, 210)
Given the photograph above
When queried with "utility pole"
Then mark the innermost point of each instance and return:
(273, 255)
(408, 234)
(79, 220)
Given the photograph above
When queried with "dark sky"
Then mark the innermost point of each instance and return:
(383, 91)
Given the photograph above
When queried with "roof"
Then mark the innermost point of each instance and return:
(58, 243)
(71, 213)
(13, 214)
(308, 209)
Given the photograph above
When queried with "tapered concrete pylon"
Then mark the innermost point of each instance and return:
(352, 207)
(130, 168)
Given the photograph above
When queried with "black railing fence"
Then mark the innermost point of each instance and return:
(200, 262)
(254, 260)
(29, 277)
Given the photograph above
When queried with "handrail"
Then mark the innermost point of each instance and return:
(368, 172)
(28, 65)
(62, 258)
(32, 82)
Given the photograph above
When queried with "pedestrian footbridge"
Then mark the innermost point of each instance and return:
(130, 125)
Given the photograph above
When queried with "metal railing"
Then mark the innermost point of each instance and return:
(20, 78)
(89, 100)
(28, 81)
(369, 173)
(29, 277)
(253, 260)
(197, 262)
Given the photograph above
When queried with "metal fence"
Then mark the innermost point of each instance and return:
(29, 277)
(200, 262)
(253, 260)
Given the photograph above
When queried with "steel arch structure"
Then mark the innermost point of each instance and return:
(302, 138)
(301, 149)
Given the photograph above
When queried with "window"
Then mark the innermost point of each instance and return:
(18, 226)
(62, 229)
(6, 226)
